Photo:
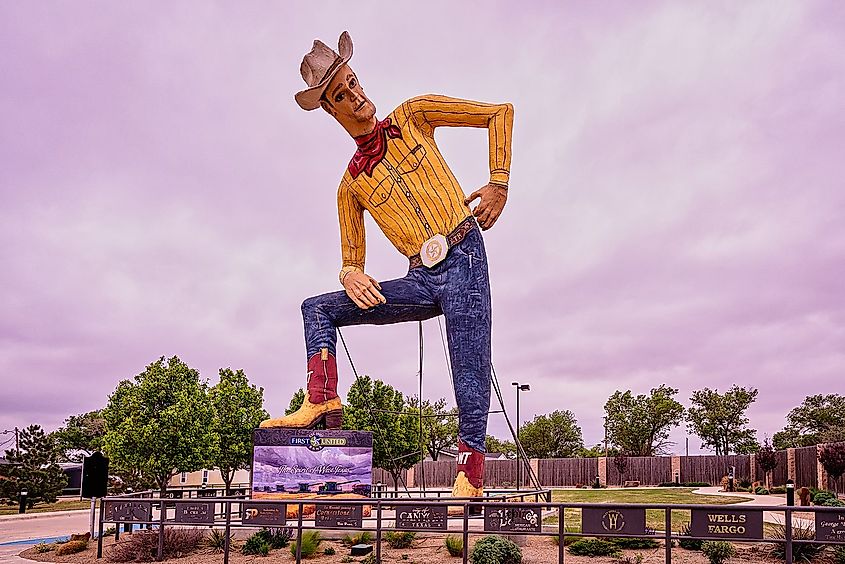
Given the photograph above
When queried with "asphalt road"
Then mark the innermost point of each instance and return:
(18, 532)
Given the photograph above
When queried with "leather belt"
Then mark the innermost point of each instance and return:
(456, 236)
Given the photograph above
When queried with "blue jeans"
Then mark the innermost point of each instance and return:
(459, 289)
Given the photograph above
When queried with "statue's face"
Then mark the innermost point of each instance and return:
(345, 99)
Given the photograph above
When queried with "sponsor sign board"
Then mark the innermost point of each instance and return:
(271, 514)
(422, 517)
(513, 519)
(719, 523)
(341, 516)
(613, 520)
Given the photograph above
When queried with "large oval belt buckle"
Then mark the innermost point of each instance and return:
(434, 250)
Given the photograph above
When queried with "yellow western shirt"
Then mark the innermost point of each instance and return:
(412, 194)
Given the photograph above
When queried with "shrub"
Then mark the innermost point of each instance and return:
(833, 502)
(370, 559)
(593, 547)
(109, 532)
(684, 485)
(329, 551)
(567, 539)
(346, 559)
(687, 543)
(363, 537)
(494, 549)
(216, 540)
(839, 555)
(276, 538)
(761, 491)
(822, 496)
(42, 547)
(636, 559)
(745, 483)
(399, 539)
(778, 490)
(634, 544)
(718, 552)
(256, 544)
(142, 546)
(805, 551)
(455, 545)
(310, 543)
(71, 547)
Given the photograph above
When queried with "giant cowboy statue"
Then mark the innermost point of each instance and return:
(399, 176)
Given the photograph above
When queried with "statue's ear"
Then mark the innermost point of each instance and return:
(328, 108)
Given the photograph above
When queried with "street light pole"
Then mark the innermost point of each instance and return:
(519, 388)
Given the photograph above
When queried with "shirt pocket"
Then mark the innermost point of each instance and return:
(382, 191)
(412, 160)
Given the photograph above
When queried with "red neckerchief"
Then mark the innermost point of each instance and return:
(372, 147)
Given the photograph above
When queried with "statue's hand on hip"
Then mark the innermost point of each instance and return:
(363, 289)
(493, 199)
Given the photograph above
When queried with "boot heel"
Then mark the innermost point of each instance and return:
(334, 419)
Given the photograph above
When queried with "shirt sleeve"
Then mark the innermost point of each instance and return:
(433, 110)
(352, 239)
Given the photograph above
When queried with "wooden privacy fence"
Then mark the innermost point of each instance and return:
(799, 464)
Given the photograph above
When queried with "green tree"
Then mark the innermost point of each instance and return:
(295, 401)
(440, 428)
(32, 467)
(506, 447)
(556, 435)
(832, 458)
(372, 405)
(720, 420)
(640, 425)
(817, 420)
(596, 451)
(160, 423)
(80, 436)
(238, 409)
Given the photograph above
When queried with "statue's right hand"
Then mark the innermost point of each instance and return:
(363, 289)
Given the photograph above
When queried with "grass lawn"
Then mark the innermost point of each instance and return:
(655, 518)
(61, 505)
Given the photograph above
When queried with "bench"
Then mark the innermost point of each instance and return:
(631, 484)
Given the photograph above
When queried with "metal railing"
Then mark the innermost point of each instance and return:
(507, 514)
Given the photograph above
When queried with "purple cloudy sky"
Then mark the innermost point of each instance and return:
(676, 207)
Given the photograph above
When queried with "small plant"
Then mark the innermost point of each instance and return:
(310, 542)
(455, 545)
(778, 490)
(839, 555)
(329, 551)
(109, 532)
(801, 551)
(687, 543)
(43, 547)
(399, 539)
(346, 559)
(142, 546)
(494, 549)
(71, 547)
(403, 557)
(362, 537)
(634, 544)
(276, 538)
(216, 540)
(370, 559)
(718, 552)
(593, 547)
(256, 544)
(821, 496)
(761, 491)
(636, 559)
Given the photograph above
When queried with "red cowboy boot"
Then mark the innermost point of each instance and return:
(321, 401)
(469, 481)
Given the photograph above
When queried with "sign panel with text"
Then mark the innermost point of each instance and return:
(727, 524)
(513, 519)
(422, 517)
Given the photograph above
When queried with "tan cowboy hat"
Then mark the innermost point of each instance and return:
(319, 67)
